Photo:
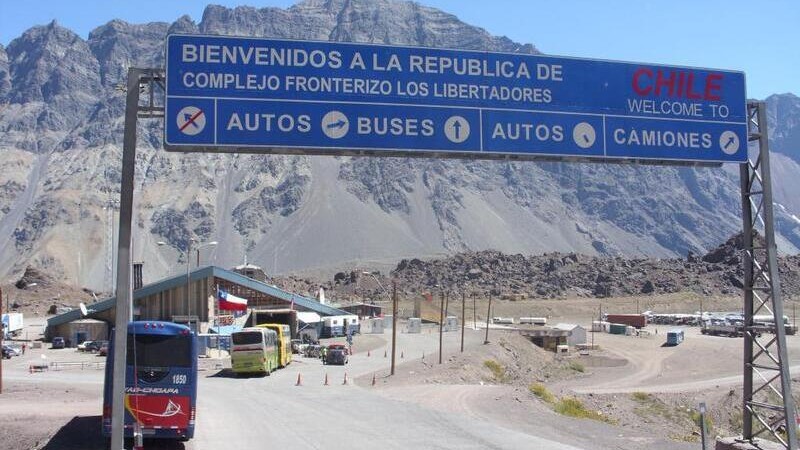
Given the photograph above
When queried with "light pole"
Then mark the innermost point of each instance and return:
(377, 281)
(394, 314)
(188, 254)
(197, 250)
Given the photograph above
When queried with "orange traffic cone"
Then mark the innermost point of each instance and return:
(326, 380)
(345, 379)
(299, 380)
(373, 379)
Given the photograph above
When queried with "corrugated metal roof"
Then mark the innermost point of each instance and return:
(197, 274)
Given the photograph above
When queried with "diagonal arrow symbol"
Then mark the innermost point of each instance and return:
(190, 119)
(730, 142)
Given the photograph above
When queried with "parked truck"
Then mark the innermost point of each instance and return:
(633, 320)
(729, 330)
(12, 324)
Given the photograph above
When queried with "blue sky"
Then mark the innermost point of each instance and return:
(760, 38)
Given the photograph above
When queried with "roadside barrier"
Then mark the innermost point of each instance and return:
(373, 379)
(401, 355)
(299, 380)
(326, 380)
(77, 365)
(384, 353)
(367, 353)
(345, 379)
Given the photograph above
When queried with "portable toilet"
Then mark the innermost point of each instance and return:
(415, 325)
(372, 326)
(451, 323)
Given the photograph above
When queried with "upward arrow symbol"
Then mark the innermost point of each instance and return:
(457, 129)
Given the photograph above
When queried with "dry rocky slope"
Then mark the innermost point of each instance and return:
(717, 273)
(61, 131)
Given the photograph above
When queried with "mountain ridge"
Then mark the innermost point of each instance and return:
(61, 128)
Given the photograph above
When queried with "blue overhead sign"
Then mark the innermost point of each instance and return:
(265, 95)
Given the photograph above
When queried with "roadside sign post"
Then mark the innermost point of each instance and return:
(239, 95)
(703, 424)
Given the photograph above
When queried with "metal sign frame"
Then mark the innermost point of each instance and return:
(601, 78)
(764, 357)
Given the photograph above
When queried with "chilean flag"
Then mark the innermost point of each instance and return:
(230, 302)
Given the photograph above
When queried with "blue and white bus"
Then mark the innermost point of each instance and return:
(160, 381)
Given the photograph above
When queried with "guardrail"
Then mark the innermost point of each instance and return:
(77, 365)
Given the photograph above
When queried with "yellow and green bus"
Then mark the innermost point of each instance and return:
(284, 341)
(254, 350)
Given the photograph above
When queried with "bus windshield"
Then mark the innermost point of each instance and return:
(160, 351)
(247, 338)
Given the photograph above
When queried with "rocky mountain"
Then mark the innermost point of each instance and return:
(556, 275)
(61, 111)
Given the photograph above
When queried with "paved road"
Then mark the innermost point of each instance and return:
(251, 412)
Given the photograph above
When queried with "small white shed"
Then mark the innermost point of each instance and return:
(577, 334)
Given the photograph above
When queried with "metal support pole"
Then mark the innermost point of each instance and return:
(441, 323)
(703, 424)
(2, 335)
(766, 361)
(488, 314)
(394, 323)
(124, 288)
(188, 276)
(463, 317)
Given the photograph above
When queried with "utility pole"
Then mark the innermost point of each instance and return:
(441, 323)
(488, 314)
(474, 313)
(463, 317)
(394, 322)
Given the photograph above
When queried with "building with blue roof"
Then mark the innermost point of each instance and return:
(167, 299)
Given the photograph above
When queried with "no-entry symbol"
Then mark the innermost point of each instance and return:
(191, 120)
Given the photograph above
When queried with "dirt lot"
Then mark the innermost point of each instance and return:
(633, 386)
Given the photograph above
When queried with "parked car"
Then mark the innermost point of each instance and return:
(336, 356)
(58, 342)
(82, 347)
(95, 346)
(312, 351)
(9, 351)
(103, 350)
(341, 347)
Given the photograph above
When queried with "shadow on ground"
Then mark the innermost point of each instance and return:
(80, 433)
(83, 433)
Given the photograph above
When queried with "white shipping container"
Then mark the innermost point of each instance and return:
(12, 323)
